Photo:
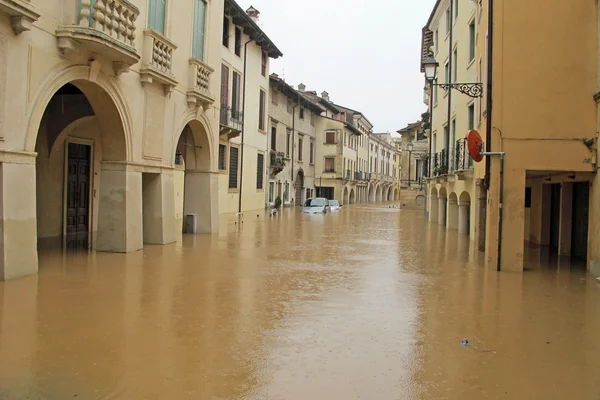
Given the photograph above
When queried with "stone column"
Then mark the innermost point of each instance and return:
(120, 227)
(201, 198)
(442, 206)
(463, 217)
(433, 208)
(566, 219)
(159, 208)
(535, 216)
(452, 215)
(18, 226)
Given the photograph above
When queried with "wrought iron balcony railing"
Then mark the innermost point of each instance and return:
(231, 118)
(462, 159)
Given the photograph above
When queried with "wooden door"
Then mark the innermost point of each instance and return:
(224, 93)
(78, 196)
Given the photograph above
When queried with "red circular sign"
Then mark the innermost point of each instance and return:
(475, 145)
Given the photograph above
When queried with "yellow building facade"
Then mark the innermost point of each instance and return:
(543, 122)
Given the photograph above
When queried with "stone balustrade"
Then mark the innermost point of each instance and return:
(199, 91)
(105, 27)
(157, 60)
(116, 18)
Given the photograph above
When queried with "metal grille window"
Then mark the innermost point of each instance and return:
(222, 154)
(260, 167)
(233, 167)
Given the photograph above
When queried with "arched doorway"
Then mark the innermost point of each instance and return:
(192, 180)
(299, 187)
(379, 193)
(433, 205)
(352, 197)
(371, 195)
(85, 197)
(390, 195)
(453, 212)
(464, 213)
(345, 199)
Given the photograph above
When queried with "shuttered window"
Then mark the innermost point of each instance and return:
(260, 167)
(238, 42)
(233, 167)
(261, 111)
(222, 154)
(235, 96)
(226, 32)
(156, 15)
(198, 38)
(312, 152)
(329, 164)
(330, 138)
(300, 145)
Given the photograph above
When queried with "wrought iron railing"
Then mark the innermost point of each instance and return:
(462, 159)
(231, 118)
(367, 176)
(440, 166)
(358, 176)
(348, 175)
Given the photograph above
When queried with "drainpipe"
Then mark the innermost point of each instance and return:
(293, 144)
(450, 73)
(489, 89)
(243, 126)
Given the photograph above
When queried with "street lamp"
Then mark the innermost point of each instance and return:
(409, 147)
(430, 65)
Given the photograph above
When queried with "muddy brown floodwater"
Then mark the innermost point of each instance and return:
(369, 303)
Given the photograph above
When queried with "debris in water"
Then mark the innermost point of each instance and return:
(464, 343)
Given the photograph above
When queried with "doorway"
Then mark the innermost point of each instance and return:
(581, 212)
(554, 215)
(78, 196)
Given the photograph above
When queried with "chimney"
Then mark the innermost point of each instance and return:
(325, 96)
(253, 13)
(301, 87)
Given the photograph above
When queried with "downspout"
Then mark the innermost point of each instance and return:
(243, 126)
(293, 144)
(489, 90)
(450, 73)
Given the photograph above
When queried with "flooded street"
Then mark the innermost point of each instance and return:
(368, 303)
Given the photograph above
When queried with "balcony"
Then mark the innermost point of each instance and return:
(348, 175)
(199, 91)
(463, 161)
(231, 122)
(358, 176)
(104, 27)
(278, 162)
(367, 176)
(157, 61)
(22, 14)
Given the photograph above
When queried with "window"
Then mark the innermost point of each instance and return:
(290, 106)
(288, 141)
(329, 164)
(312, 118)
(446, 136)
(260, 168)
(434, 89)
(261, 111)
(471, 115)
(455, 9)
(300, 140)
(238, 42)
(235, 95)
(233, 167)
(330, 137)
(436, 45)
(448, 20)
(312, 152)
(453, 133)
(286, 191)
(472, 41)
(222, 153)
(198, 39)
(446, 74)
(226, 32)
(301, 113)
(271, 191)
(263, 67)
(274, 138)
(274, 97)
(455, 66)
(156, 15)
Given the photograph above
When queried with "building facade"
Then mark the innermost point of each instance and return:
(414, 145)
(538, 198)
(244, 119)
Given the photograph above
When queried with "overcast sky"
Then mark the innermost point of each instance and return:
(365, 53)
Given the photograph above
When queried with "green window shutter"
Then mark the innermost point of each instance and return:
(156, 15)
(199, 18)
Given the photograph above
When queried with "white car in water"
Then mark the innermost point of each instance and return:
(334, 205)
(318, 205)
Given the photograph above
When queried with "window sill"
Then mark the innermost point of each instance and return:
(260, 190)
(262, 131)
(233, 190)
(222, 171)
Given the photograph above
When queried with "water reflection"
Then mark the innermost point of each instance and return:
(370, 302)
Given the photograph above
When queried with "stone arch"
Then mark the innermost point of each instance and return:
(464, 213)
(115, 117)
(345, 196)
(390, 196)
(371, 193)
(299, 187)
(202, 133)
(452, 212)
(379, 193)
(352, 199)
